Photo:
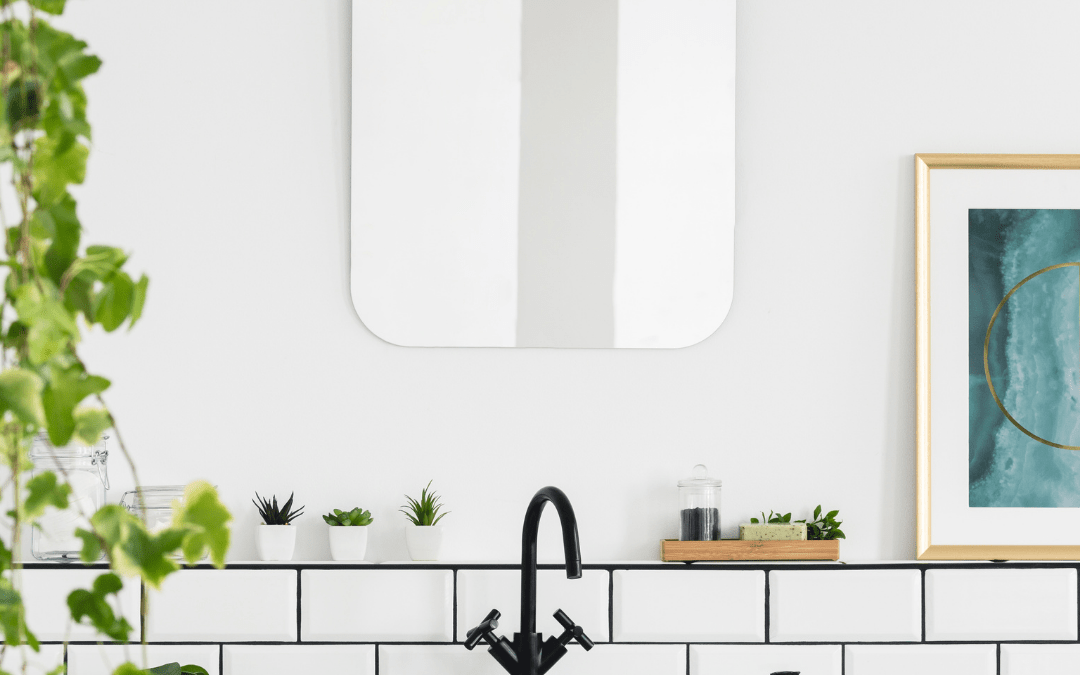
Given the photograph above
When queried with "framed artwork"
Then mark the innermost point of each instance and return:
(997, 357)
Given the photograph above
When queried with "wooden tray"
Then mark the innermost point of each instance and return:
(673, 550)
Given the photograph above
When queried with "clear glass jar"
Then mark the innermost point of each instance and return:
(83, 468)
(699, 501)
(156, 501)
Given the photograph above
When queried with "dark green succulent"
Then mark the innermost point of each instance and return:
(272, 515)
(423, 511)
(356, 517)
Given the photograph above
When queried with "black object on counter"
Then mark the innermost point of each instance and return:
(700, 524)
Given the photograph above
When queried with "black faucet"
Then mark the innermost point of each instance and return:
(529, 654)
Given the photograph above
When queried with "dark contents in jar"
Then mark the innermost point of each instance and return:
(700, 524)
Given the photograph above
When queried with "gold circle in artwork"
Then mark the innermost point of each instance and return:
(986, 355)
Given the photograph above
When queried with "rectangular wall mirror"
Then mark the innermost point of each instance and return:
(543, 173)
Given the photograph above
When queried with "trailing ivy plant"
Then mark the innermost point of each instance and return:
(55, 288)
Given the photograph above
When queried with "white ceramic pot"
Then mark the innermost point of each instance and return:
(425, 543)
(348, 542)
(275, 542)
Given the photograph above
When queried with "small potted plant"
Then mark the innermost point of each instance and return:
(274, 537)
(348, 533)
(423, 535)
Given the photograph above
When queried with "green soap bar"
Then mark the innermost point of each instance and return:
(774, 532)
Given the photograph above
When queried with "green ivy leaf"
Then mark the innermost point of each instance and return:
(204, 520)
(50, 324)
(13, 617)
(20, 392)
(132, 550)
(138, 300)
(56, 167)
(44, 490)
(167, 669)
(93, 605)
(129, 669)
(64, 249)
(91, 546)
(91, 423)
(191, 669)
(66, 388)
(50, 6)
(115, 302)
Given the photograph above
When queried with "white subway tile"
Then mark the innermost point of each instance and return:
(224, 606)
(436, 660)
(36, 663)
(45, 593)
(103, 659)
(1003, 604)
(689, 606)
(293, 659)
(845, 606)
(584, 600)
(765, 659)
(624, 660)
(604, 658)
(1039, 659)
(378, 605)
(921, 660)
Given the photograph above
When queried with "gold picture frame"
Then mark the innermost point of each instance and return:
(925, 165)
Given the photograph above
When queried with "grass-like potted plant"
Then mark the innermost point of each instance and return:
(348, 533)
(275, 537)
(423, 535)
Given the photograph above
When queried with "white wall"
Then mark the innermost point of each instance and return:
(221, 160)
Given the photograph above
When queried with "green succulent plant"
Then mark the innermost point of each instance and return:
(424, 512)
(274, 515)
(356, 517)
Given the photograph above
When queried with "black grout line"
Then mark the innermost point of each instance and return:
(687, 659)
(299, 590)
(454, 634)
(65, 649)
(999, 659)
(843, 659)
(433, 643)
(767, 606)
(221, 660)
(688, 567)
(377, 650)
(611, 606)
(922, 606)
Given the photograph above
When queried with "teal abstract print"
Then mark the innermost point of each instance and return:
(1024, 358)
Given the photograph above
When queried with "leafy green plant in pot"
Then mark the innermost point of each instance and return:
(275, 537)
(423, 535)
(348, 533)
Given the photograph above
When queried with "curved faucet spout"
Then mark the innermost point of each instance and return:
(571, 548)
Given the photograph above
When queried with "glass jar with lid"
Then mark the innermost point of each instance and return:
(156, 502)
(699, 501)
(83, 468)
